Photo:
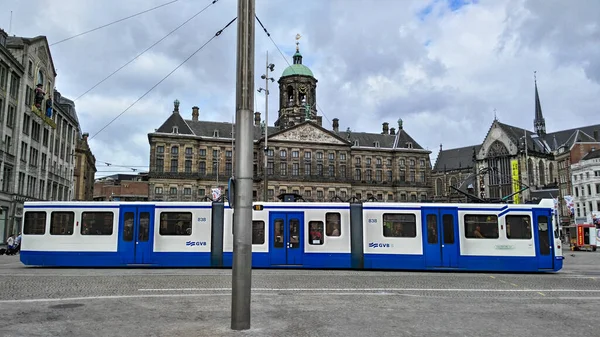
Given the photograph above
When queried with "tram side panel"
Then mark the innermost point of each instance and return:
(327, 233)
(182, 235)
(493, 239)
(392, 236)
(70, 235)
(260, 238)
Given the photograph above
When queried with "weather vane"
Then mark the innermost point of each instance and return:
(298, 36)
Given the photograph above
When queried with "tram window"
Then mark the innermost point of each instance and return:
(518, 227)
(399, 225)
(333, 224)
(432, 236)
(481, 226)
(144, 230)
(97, 223)
(258, 232)
(35, 223)
(128, 226)
(175, 223)
(61, 223)
(543, 235)
(448, 222)
(315, 232)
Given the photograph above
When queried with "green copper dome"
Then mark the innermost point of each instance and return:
(297, 68)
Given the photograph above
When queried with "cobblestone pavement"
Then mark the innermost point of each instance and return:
(197, 302)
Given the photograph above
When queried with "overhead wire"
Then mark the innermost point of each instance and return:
(285, 58)
(112, 23)
(147, 49)
(164, 78)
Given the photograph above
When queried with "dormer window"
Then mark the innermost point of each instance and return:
(376, 144)
(409, 145)
(356, 142)
(175, 129)
(216, 133)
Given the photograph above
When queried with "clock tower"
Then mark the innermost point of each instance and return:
(297, 94)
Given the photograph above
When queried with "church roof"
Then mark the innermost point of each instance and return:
(454, 159)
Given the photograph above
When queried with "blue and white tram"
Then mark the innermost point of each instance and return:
(373, 235)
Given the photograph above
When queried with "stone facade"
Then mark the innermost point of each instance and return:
(586, 187)
(541, 163)
(190, 157)
(37, 131)
(85, 170)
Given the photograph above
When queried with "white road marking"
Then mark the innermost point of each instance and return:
(117, 297)
(112, 297)
(334, 290)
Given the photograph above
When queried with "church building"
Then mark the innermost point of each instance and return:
(514, 164)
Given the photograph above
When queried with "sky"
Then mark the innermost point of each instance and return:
(445, 67)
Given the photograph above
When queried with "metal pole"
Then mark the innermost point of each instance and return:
(266, 126)
(242, 220)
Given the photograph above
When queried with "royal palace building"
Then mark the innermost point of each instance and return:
(191, 157)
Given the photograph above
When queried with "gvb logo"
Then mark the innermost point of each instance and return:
(195, 243)
(380, 245)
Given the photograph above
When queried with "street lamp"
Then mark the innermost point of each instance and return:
(265, 76)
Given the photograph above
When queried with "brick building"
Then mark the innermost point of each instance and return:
(121, 187)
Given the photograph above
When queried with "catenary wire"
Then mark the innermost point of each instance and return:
(285, 58)
(112, 23)
(164, 78)
(147, 49)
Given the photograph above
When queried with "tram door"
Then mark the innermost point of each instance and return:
(440, 241)
(286, 244)
(544, 239)
(135, 231)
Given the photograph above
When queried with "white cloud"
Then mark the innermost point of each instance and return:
(376, 61)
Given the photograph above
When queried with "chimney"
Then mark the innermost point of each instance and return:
(85, 136)
(392, 131)
(195, 113)
(385, 128)
(257, 119)
(596, 136)
(336, 125)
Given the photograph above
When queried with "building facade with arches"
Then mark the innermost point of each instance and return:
(510, 159)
